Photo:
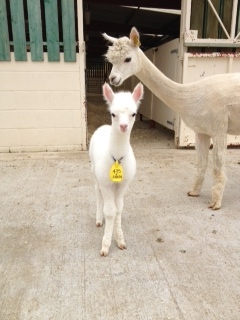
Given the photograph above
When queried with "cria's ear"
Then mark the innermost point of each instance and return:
(108, 94)
(134, 38)
(108, 38)
(138, 93)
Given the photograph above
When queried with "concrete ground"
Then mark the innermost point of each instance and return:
(182, 260)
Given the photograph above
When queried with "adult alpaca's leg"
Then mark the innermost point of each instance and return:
(110, 211)
(202, 143)
(219, 176)
(118, 233)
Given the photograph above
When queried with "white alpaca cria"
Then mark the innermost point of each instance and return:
(108, 145)
(210, 106)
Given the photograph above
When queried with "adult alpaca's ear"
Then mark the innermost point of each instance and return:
(134, 37)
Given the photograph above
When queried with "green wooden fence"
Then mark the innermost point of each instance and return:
(24, 17)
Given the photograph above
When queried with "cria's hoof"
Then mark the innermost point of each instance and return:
(193, 194)
(99, 224)
(103, 253)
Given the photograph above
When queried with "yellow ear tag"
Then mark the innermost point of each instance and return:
(136, 41)
(116, 172)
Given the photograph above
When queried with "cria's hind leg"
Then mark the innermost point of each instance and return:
(99, 213)
(219, 177)
(202, 144)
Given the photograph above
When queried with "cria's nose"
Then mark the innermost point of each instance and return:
(123, 126)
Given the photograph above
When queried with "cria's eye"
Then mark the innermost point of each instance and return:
(127, 59)
(134, 114)
(113, 115)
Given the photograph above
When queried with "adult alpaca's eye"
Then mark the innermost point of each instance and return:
(134, 114)
(113, 115)
(127, 59)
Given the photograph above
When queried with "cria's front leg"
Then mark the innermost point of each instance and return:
(107, 238)
(110, 212)
(118, 234)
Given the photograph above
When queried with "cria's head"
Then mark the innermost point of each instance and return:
(123, 106)
(124, 56)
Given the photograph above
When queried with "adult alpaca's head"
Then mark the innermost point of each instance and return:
(124, 56)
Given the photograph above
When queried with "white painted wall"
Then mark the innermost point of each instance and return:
(147, 102)
(42, 106)
(197, 66)
(166, 60)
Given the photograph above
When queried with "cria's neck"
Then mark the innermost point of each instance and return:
(119, 144)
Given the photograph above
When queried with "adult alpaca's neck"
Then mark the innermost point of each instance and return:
(170, 92)
(119, 143)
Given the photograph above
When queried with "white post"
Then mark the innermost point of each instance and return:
(184, 27)
(82, 64)
(232, 33)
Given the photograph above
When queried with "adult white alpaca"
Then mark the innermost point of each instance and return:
(110, 150)
(210, 106)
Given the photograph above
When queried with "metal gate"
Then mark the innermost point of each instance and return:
(96, 74)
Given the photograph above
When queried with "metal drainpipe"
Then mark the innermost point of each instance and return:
(204, 26)
(205, 17)
(221, 10)
(234, 18)
(237, 23)
(233, 30)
